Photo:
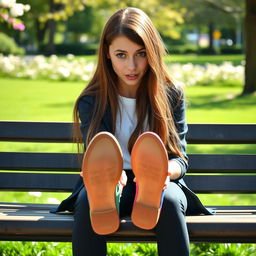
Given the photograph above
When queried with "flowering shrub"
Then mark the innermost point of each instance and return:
(190, 74)
(10, 10)
(52, 68)
(72, 69)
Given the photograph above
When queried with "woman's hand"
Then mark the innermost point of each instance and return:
(174, 170)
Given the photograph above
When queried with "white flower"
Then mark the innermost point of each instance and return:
(70, 56)
(7, 3)
(64, 72)
(17, 10)
(26, 7)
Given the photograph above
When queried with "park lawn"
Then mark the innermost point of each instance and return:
(203, 59)
(38, 100)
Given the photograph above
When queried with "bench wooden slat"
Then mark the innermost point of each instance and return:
(69, 162)
(221, 133)
(221, 184)
(34, 222)
(35, 131)
(65, 182)
(39, 161)
(227, 163)
(61, 132)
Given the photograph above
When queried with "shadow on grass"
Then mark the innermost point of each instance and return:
(216, 101)
(60, 104)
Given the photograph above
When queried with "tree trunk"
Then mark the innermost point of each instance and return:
(50, 48)
(198, 32)
(250, 42)
(40, 32)
(210, 31)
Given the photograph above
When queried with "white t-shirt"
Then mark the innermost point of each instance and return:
(126, 122)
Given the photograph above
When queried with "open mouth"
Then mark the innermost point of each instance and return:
(132, 77)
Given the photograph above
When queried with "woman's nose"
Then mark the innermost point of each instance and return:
(131, 64)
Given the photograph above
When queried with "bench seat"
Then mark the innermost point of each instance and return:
(34, 222)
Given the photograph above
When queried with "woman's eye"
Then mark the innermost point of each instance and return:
(142, 54)
(120, 55)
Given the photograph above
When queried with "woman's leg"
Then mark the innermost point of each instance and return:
(171, 229)
(84, 240)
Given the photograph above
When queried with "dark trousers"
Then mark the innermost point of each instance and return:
(171, 229)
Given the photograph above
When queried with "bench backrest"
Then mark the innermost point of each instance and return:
(31, 171)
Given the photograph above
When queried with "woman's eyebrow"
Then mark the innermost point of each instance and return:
(119, 50)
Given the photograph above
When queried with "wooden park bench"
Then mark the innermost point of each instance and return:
(58, 172)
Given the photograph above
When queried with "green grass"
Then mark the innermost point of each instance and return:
(219, 104)
(121, 249)
(53, 101)
(202, 59)
(38, 100)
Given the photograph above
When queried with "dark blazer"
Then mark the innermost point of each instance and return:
(85, 109)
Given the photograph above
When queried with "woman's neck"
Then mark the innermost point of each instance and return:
(125, 92)
(127, 95)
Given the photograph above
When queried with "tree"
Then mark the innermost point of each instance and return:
(250, 39)
(238, 9)
(235, 9)
(46, 14)
(202, 14)
(165, 15)
(233, 6)
(87, 22)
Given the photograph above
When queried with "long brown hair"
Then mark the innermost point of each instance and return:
(155, 93)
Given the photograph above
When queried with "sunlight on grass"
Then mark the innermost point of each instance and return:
(38, 100)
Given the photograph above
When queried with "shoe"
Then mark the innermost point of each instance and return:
(149, 161)
(102, 168)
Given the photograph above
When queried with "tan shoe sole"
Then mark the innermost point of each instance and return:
(149, 162)
(102, 167)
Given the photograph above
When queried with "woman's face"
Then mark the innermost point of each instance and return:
(129, 61)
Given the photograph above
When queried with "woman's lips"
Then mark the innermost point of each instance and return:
(132, 77)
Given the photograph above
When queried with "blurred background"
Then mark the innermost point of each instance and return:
(62, 27)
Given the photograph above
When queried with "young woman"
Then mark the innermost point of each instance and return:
(132, 118)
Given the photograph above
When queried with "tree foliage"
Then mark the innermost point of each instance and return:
(164, 14)
(54, 9)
